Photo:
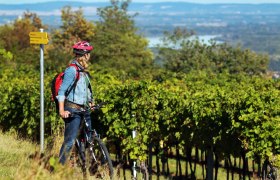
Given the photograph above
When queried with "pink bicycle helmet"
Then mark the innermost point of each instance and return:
(82, 48)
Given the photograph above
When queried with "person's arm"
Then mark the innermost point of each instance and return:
(62, 112)
(69, 77)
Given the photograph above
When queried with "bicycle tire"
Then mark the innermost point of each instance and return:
(81, 156)
(101, 164)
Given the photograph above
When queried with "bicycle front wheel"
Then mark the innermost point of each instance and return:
(101, 164)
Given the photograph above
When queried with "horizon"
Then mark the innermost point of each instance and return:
(149, 1)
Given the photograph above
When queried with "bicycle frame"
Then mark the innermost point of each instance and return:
(83, 138)
(91, 150)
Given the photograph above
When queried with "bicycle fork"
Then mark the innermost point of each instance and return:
(93, 154)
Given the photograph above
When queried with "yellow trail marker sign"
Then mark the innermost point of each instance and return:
(38, 38)
(38, 41)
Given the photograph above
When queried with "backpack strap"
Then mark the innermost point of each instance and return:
(89, 85)
(76, 79)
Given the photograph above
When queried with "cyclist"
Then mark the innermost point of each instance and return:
(78, 99)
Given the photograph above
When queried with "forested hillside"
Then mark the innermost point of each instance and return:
(183, 95)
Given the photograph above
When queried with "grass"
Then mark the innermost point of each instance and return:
(19, 159)
(12, 151)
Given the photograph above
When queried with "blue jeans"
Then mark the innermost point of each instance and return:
(72, 126)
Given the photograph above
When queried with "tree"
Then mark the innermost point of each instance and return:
(117, 44)
(237, 60)
(179, 53)
(74, 28)
(14, 37)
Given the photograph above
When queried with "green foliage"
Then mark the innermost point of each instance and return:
(20, 110)
(5, 56)
(201, 109)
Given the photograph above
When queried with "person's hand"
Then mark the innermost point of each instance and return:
(91, 105)
(64, 114)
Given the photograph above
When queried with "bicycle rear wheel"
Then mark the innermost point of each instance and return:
(101, 164)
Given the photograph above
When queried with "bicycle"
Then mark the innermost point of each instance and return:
(93, 155)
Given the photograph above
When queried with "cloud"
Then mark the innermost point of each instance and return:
(56, 12)
(89, 10)
(165, 7)
(20, 12)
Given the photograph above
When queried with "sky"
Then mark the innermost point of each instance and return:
(195, 1)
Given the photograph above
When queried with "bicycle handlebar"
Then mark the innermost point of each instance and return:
(94, 107)
(98, 106)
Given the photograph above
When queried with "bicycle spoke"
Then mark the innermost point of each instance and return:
(101, 164)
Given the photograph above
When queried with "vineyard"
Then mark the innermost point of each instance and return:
(222, 115)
